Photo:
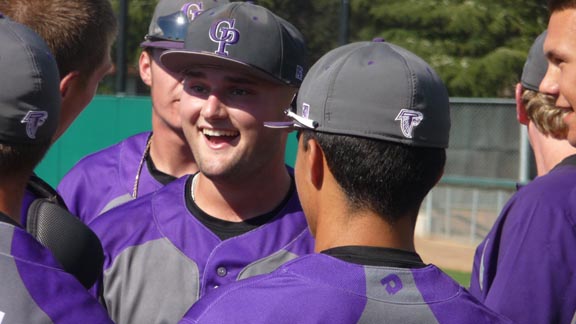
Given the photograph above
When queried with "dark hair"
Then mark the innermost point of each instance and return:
(389, 178)
(558, 5)
(20, 159)
(79, 32)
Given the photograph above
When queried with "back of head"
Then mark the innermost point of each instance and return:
(558, 5)
(381, 115)
(170, 21)
(78, 32)
(29, 98)
(242, 35)
(540, 108)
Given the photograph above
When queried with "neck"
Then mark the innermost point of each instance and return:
(363, 229)
(171, 154)
(246, 198)
(548, 151)
(11, 197)
(337, 224)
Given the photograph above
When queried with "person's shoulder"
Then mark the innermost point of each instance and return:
(96, 159)
(553, 186)
(26, 248)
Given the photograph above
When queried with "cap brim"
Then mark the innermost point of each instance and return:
(163, 44)
(296, 122)
(178, 61)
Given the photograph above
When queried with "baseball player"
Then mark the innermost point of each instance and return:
(373, 123)
(79, 34)
(524, 267)
(240, 215)
(35, 289)
(144, 162)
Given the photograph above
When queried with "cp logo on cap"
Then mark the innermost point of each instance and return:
(192, 10)
(408, 120)
(224, 33)
(33, 120)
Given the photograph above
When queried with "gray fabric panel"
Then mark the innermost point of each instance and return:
(394, 298)
(116, 202)
(267, 264)
(15, 301)
(143, 286)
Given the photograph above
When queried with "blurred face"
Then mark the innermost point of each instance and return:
(79, 93)
(560, 79)
(165, 89)
(223, 112)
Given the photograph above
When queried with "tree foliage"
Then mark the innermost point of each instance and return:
(477, 46)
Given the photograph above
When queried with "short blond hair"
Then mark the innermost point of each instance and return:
(542, 111)
(78, 32)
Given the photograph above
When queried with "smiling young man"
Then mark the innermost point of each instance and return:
(239, 215)
(145, 162)
(560, 49)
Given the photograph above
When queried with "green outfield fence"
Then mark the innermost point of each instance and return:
(486, 157)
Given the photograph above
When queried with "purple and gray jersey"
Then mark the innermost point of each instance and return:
(526, 266)
(106, 179)
(319, 288)
(34, 287)
(160, 258)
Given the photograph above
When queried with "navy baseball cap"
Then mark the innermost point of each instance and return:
(374, 90)
(170, 21)
(242, 35)
(29, 86)
(536, 65)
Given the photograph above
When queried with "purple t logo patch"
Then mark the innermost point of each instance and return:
(33, 120)
(224, 33)
(408, 120)
(392, 283)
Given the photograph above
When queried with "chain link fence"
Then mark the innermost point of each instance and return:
(487, 156)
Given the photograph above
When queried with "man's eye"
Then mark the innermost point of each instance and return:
(239, 92)
(198, 89)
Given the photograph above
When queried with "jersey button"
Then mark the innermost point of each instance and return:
(221, 271)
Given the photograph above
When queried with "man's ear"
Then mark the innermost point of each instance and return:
(145, 68)
(316, 162)
(67, 83)
(520, 108)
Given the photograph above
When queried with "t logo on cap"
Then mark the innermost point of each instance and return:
(408, 120)
(33, 120)
(224, 33)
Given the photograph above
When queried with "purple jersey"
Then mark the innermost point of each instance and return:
(526, 266)
(34, 287)
(106, 179)
(160, 258)
(318, 288)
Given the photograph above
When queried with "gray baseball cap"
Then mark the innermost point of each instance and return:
(29, 86)
(170, 21)
(536, 65)
(375, 90)
(242, 35)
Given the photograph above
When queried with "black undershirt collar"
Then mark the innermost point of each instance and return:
(163, 178)
(376, 256)
(225, 229)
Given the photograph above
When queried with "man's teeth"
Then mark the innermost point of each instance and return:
(214, 132)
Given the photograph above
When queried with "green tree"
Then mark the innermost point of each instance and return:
(477, 46)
